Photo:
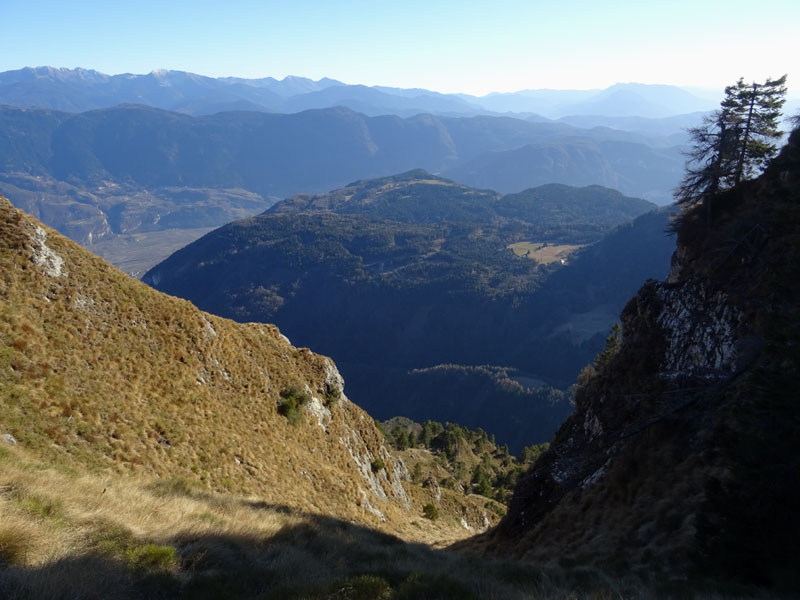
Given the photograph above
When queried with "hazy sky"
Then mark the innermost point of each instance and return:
(449, 46)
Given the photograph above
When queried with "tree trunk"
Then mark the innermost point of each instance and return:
(740, 164)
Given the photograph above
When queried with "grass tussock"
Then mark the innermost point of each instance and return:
(152, 558)
(15, 541)
(41, 508)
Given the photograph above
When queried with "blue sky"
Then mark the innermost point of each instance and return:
(449, 46)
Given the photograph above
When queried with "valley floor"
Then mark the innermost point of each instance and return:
(136, 253)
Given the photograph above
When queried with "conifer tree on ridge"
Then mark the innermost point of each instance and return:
(735, 142)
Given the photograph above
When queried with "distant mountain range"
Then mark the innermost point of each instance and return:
(79, 90)
(280, 155)
(136, 166)
(618, 164)
(134, 169)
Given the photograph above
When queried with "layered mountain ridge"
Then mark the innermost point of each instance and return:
(135, 183)
(86, 89)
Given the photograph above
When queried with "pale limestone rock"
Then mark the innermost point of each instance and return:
(700, 329)
(44, 257)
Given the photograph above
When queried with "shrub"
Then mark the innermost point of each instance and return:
(112, 539)
(416, 473)
(495, 508)
(447, 482)
(531, 453)
(377, 464)
(429, 511)
(40, 507)
(481, 482)
(332, 396)
(427, 434)
(291, 399)
(400, 438)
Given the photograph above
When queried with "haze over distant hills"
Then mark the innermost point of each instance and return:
(617, 164)
(105, 175)
(138, 165)
(79, 90)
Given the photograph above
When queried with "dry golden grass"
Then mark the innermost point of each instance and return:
(152, 462)
(109, 521)
(121, 536)
(147, 509)
(99, 370)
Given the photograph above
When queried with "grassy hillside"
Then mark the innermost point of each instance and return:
(99, 371)
(68, 534)
(149, 450)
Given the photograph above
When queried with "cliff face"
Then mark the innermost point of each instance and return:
(681, 456)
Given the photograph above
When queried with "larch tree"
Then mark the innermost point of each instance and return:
(734, 142)
(757, 110)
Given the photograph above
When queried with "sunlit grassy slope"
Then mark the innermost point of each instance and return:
(68, 534)
(98, 372)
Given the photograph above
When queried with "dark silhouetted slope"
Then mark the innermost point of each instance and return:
(681, 456)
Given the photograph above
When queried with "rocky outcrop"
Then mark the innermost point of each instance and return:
(41, 255)
(702, 328)
(680, 457)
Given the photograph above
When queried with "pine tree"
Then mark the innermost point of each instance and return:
(711, 160)
(613, 345)
(733, 143)
(756, 109)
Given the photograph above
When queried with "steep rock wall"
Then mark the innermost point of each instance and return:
(680, 458)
